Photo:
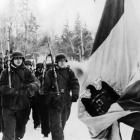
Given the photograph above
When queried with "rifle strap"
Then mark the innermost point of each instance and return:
(63, 77)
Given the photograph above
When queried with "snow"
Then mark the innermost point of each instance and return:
(74, 130)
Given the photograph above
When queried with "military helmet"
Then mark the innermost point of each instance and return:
(39, 65)
(28, 62)
(60, 56)
(17, 54)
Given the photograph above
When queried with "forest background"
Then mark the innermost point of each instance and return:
(20, 22)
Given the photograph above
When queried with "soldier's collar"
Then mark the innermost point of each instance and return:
(21, 66)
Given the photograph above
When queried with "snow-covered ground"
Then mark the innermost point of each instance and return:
(74, 130)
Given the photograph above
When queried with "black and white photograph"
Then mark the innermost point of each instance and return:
(69, 70)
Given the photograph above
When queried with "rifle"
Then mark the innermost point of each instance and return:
(44, 68)
(8, 63)
(34, 62)
(54, 70)
(2, 56)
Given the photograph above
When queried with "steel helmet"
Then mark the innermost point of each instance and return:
(28, 62)
(39, 65)
(60, 56)
(17, 54)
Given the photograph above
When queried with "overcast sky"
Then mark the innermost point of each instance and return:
(52, 14)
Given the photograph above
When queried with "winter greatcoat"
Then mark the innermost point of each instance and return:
(0, 109)
(43, 108)
(67, 82)
(20, 78)
(60, 108)
(16, 104)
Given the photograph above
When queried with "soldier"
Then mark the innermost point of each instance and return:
(16, 99)
(5, 61)
(1, 122)
(34, 100)
(28, 64)
(44, 108)
(60, 103)
(1, 65)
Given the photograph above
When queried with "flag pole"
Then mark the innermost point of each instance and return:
(8, 54)
(2, 56)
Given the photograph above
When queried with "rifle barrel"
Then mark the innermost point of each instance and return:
(54, 71)
(8, 63)
(2, 56)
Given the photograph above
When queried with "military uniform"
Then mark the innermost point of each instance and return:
(16, 100)
(60, 107)
(44, 107)
(1, 122)
(34, 101)
(130, 100)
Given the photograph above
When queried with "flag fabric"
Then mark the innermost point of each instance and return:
(114, 58)
(113, 11)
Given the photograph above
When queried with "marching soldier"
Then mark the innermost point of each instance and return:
(34, 99)
(28, 64)
(60, 103)
(1, 122)
(16, 99)
(1, 65)
(5, 61)
(44, 108)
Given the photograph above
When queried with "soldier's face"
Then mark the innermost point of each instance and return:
(62, 63)
(39, 70)
(29, 66)
(18, 61)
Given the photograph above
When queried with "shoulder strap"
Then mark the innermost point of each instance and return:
(63, 76)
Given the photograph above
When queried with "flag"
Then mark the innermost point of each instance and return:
(115, 53)
(114, 58)
(112, 13)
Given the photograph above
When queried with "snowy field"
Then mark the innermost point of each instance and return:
(75, 130)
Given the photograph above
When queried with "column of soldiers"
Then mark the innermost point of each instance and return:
(34, 90)
(39, 105)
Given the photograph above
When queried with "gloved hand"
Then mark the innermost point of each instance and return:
(41, 92)
(32, 93)
(24, 86)
(55, 96)
(74, 98)
(7, 90)
(31, 86)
